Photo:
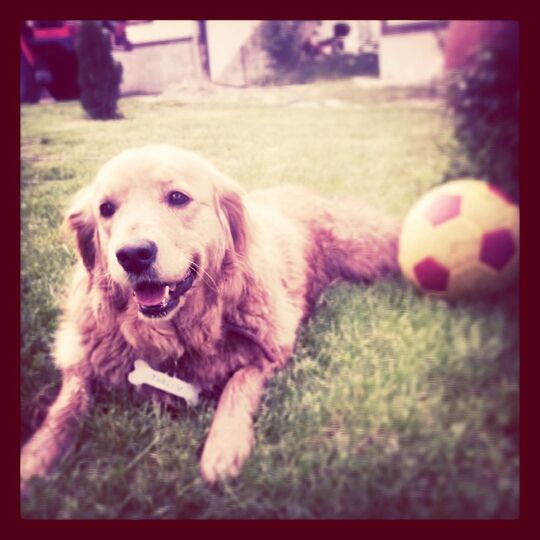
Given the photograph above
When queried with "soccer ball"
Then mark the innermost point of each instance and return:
(461, 239)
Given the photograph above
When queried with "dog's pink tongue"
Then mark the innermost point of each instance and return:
(150, 295)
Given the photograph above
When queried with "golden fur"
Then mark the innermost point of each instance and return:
(261, 260)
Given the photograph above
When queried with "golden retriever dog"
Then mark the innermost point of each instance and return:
(184, 270)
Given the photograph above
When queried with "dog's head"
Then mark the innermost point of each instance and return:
(159, 221)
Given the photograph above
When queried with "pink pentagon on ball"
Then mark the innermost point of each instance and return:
(443, 208)
(497, 248)
(431, 274)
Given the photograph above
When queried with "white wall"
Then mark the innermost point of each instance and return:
(410, 58)
(224, 41)
(160, 30)
(152, 68)
(157, 60)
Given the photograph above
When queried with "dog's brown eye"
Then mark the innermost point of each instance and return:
(107, 209)
(177, 198)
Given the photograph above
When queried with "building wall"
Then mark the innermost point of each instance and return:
(159, 30)
(166, 52)
(150, 68)
(225, 41)
(411, 58)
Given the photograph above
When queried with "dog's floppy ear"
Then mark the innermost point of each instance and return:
(80, 221)
(232, 206)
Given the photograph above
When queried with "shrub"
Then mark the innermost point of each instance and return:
(287, 45)
(99, 74)
(337, 66)
(483, 99)
(282, 40)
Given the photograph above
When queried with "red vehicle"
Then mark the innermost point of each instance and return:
(49, 59)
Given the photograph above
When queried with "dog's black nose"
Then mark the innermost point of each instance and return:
(137, 258)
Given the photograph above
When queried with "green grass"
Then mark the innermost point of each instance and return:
(395, 405)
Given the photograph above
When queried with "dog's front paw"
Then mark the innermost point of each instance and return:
(30, 467)
(36, 457)
(225, 453)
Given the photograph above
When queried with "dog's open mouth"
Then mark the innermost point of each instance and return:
(158, 299)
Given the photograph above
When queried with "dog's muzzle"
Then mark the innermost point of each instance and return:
(155, 298)
(158, 299)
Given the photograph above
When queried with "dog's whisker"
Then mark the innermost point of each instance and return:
(203, 273)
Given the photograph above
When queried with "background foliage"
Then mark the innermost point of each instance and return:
(483, 99)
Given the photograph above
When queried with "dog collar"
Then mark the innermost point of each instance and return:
(144, 374)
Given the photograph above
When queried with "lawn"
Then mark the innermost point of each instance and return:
(395, 405)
